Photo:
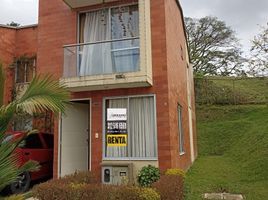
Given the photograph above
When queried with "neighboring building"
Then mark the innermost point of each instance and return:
(127, 59)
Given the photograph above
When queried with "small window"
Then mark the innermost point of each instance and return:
(33, 142)
(181, 132)
(25, 70)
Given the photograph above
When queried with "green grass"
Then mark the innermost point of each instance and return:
(233, 152)
(228, 90)
(254, 89)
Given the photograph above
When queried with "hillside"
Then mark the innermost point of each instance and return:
(233, 152)
(229, 90)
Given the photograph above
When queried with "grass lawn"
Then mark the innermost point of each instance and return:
(233, 152)
(228, 90)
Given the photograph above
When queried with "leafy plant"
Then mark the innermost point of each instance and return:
(149, 194)
(175, 171)
(42, 94)
(148, 175)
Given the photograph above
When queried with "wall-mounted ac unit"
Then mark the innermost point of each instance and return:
(117, 174)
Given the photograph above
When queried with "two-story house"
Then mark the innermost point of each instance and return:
(126, 64)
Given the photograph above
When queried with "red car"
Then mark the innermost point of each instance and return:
(37, 147)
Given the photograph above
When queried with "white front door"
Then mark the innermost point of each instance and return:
(74, 139)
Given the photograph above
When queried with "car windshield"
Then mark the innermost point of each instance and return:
(7, 138)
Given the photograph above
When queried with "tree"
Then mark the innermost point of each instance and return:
(41, 94)
(214, 48)
(15, 24)
(259, 53)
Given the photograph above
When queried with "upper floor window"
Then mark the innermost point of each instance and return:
(109, 41)
(181, 132)
(25, 70)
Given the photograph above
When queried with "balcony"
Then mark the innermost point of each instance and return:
(83, 3)
(105, 65)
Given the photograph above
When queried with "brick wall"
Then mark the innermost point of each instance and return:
(13, 44)
(177, 83)
(57, 25)
(26, 41)
(7, 54)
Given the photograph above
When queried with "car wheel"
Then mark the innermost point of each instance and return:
(22, 184)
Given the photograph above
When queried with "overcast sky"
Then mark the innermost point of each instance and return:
(242, 15)
(24, 12)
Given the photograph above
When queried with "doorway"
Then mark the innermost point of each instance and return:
(75, 138)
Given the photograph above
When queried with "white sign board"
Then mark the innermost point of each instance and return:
(116, 114)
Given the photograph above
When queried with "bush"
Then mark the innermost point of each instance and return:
(15, 197)
(175, 171)
(170, 187)
(58, 191)
(80, 177)
(83, 185)
(149, 194)
(148, 175)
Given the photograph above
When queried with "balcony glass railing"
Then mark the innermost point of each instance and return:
(104, 57)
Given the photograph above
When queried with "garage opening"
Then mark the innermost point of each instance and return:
(75, 138)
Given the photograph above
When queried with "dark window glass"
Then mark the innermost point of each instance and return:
(181, 132)
(33, 142)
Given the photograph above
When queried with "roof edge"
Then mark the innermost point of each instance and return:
(20, 27)
(184, 27)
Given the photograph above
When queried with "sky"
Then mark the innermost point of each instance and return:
(24, 12)
(243, 16)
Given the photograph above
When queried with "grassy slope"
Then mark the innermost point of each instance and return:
(253, 89)
(233, 152)
(247, 90)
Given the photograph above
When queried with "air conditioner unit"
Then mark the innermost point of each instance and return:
(117, 174)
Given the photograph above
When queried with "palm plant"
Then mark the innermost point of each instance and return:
(42, 94)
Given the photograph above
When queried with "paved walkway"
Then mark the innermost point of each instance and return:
(225, 196)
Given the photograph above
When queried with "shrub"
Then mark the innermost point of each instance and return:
(59, 191)
(83, 185)
(170, 187)
(148, 175)
(149, 194)
(15, 197)
(80, 177)
(175, 171)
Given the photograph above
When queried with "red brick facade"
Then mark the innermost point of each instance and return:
(58, 26)
(15, 42)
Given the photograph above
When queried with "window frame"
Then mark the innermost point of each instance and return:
(115, 50)
(98, 9)
(104, 158)
(26, 67)
(181, 136)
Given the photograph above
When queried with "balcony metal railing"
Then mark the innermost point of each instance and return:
(102, 57)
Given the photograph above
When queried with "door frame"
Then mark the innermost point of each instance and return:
(89, 138)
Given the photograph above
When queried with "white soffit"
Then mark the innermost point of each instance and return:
(83, 3)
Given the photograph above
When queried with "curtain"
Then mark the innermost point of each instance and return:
(142, 127)
(117, 151)
(125, 24)
(142, 139)
(96, 58)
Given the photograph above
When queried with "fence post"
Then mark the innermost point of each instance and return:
(234, 91)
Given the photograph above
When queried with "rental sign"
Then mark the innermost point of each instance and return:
(116, 127)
